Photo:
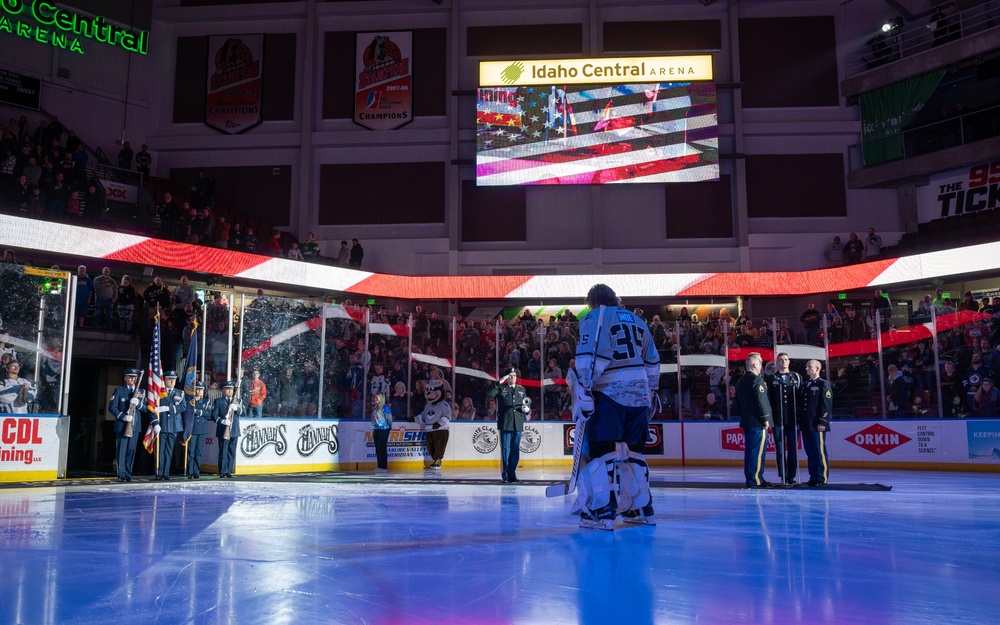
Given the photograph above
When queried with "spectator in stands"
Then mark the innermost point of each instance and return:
(7, 170)
(143, 160)
(854, 250)
(969, 303)
(713, 410)
(274, 244)
(954, 21)
(873, 245)
(986, 402)
(32, 172)
(92, 204)
(294, 253)
(925, 309)
(784, 334)
(881, 305)
(343, 257)
(198, 189)
(835, 253)
(127, 301)
(125, 156)
(191, 221)
(357, 254)
(156, 294)
(939, 24)
(310, 251)
(250, 242)
(222, 232)
(183, 294)
(105, 295)
(308, 390)
(288, 393)
(975, 373)
(899, 395)
(257, 394)
(236, 237)
(206, 227)
(84, 294)
(810, 321)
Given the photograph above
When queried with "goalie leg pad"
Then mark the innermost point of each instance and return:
(635, 480)
(600, 479)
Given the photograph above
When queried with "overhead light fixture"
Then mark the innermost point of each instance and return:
(894, 24)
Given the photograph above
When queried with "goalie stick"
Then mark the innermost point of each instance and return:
(569, 486)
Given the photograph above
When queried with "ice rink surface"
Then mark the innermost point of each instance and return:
(341, 549)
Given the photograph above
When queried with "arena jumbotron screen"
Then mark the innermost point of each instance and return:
(551, 131)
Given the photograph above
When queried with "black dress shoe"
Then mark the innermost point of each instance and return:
(166, 477)
(128, 479)
(514, 479)
(504, 478)
(121, 479)
(196, 476)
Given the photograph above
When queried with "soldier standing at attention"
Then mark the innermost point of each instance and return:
(814, 419)
(755, 418)
(199, 430)
(172, 422)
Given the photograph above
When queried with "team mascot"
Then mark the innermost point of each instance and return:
(436, 419)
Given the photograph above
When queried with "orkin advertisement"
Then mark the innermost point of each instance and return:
(967, 190)
(29, 447)
(595, 71)
(235, 67)
(384, 88)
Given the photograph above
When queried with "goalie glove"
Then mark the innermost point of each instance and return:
(584, 401)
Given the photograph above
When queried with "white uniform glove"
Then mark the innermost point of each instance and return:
(134, 401)
(156, 430)
(127, 418)
(226, 422)
(525, 410)
(197, 413)
(584, 400)
(504, 379)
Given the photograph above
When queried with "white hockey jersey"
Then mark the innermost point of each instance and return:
(618, 359)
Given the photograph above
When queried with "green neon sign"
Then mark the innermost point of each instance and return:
(62, 28)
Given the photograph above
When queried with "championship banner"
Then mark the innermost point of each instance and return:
(967, 190)
(235, 66)
(383, 93)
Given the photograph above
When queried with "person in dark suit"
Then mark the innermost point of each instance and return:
(816, 407)
(199, 430)
(126, 404)
(752, 405)
(512, 407)
(899, 394)
(223, 417)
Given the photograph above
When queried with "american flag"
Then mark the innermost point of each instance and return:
(595, 134)
(154, 378)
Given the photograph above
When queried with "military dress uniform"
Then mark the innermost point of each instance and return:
(172, 424)
(510, 423)
(755, 411)
(817, 406)
(783, 390)
(227, 448)
(202, 409)
(118, 406)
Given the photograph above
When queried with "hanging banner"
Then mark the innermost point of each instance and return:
(235, 66)
(959, 191)
(384, 87)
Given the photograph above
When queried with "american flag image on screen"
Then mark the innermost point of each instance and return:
(596, 134)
